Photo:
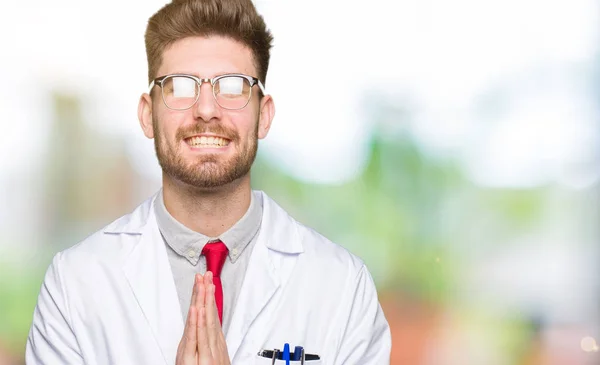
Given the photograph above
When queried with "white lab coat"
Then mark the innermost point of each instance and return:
(111, 299)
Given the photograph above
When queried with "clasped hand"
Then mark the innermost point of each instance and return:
(203, 342)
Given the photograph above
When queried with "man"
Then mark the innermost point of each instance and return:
(207, 271)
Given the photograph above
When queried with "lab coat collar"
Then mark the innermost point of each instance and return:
(283, 237)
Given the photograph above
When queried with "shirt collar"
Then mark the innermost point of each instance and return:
(189, 244)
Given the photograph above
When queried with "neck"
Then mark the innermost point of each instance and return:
(207, 211)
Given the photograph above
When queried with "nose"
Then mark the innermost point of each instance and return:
(206, 107)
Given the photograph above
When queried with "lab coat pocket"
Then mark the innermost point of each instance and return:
(266, 361)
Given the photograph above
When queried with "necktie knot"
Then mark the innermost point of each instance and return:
(215, 253)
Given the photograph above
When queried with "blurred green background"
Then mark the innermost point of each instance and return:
(451, 145)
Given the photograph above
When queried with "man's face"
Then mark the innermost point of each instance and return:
(206, 146)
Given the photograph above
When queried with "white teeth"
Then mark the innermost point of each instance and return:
(204, 141)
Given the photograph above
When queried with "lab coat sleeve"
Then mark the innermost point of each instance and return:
(366, 339)
(51, 338)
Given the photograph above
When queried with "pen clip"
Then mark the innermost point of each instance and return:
(275, 356)
(302, 356)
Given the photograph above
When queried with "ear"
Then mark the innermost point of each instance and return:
(265, 118)
(145, 115)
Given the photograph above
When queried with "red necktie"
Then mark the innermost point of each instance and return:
(216, 253)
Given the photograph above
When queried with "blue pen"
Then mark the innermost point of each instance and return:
(297, 353)
(286, 353)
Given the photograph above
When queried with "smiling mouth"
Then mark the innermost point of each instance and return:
(207, 142)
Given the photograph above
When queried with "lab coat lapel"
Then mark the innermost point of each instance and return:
(273, 258)
(260, 283)
(149, 274)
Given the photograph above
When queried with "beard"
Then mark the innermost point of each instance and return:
(205, 172)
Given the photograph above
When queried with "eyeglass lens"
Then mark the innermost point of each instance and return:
(230, 92)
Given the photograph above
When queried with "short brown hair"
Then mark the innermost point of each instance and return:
(235, 19)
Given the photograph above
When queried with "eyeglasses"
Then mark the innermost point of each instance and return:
(231, 91)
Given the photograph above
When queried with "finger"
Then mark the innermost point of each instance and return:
(201, 333)
(210, 301)
(197, 279)
(213, 323)
(190, 334)
(194, 297)
(204, 352)
(201, 293)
